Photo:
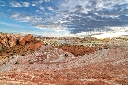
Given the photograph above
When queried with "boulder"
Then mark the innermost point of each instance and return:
(29, 38)
(17, 35)
(26, 39)
(12, 42)
(21, 41)
(4, 41)
(9, 35)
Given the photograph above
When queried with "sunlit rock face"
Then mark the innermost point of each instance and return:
(13, 41)
(78, 50)
(26, 39)
(10, 40)
(4, 41)
(21, 41)
(13, 44)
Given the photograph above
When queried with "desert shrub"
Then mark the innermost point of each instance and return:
(1, 54)
(16, 62)
(4, 48)
(30, 62)
(11, 54)
(22, 54)
(14, 51)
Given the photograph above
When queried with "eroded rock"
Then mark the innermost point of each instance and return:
(12, 44)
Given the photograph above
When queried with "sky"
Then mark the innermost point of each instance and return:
(64, 17)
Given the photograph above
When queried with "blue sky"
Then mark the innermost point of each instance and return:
(64, 17)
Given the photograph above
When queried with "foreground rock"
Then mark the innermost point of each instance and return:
(13, 44)
(78, 50)
(102, 67)
(26, 39)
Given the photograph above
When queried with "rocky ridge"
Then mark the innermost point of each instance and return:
(13, 44)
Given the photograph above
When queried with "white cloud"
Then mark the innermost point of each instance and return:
(21, 18)
(50, 26)
(46, 0)
(67, 13)
(37, 3)
(33, 4)
(119, 29)
(15, 15)
(42, 8)
(15, 4)
(40, 1)
(25, 19)
(50, 9)
(60, 33)
(2, 3)
(110, 35)
(25, 4)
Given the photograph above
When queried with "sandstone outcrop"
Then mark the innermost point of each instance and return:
(26, 39)
(21, 41)
(11, 44)
(78, 50)
(12, 41)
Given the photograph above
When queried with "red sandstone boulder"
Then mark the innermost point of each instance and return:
(78, 50)
(17, 35)
(9, 35)
(12, 42)
(21, 41)
(4, 41)
(26, 39)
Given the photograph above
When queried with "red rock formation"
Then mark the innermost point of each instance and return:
(26, 39)
(12, 41)
(11, 44)
(21, 41)
(29, 38)
(78, 50)
(4, 41)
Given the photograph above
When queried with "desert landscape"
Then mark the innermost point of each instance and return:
(30, 60)
(63, 42)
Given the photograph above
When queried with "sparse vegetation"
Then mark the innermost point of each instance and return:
(30, 62)
(22, 54)
(11, 54)
(17, 62)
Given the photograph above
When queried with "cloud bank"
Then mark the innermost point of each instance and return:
(74, 16)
